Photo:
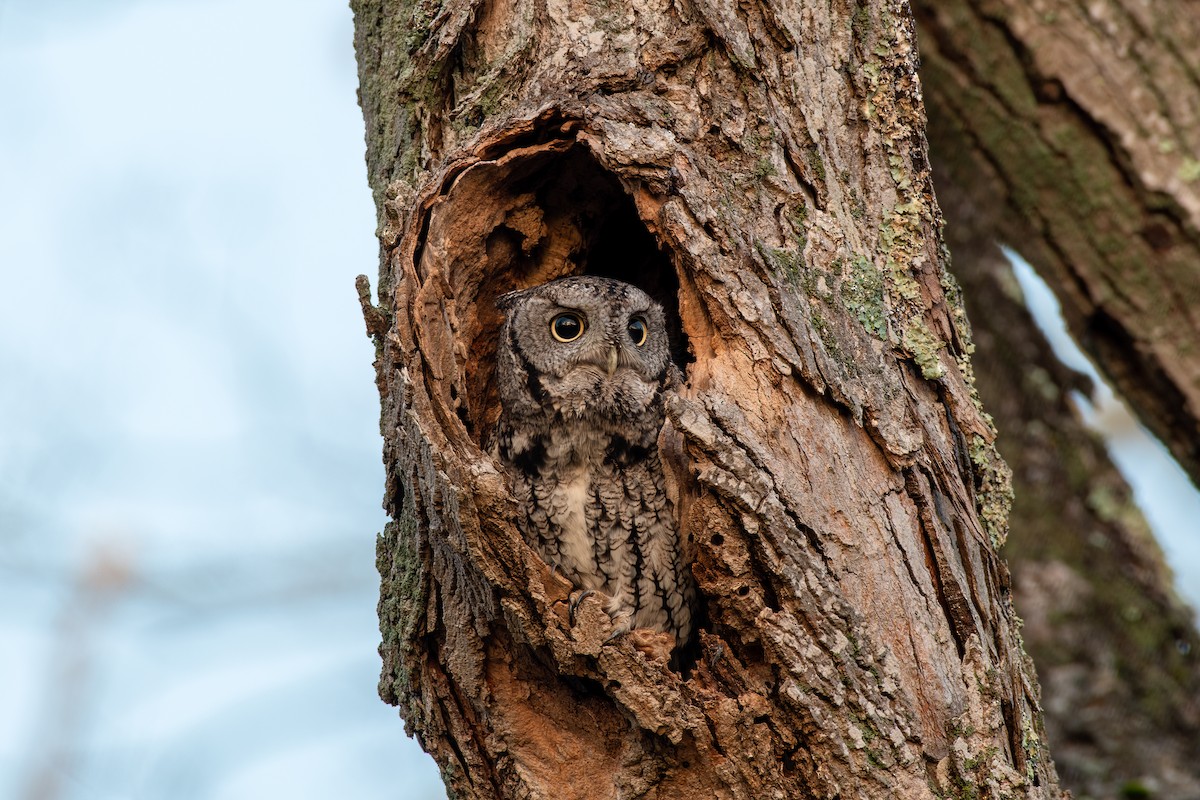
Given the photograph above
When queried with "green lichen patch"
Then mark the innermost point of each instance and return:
(812, 154)
(863, 296)
(828, 338)
(1031, 743)
(993, 484)
(401, 600)
(902, 283)
(1189, 171)
(901, 240)
(902, 246)
(923, 346)
(798, 217)
(763, 169)
(967, 370)
(952, 291)
(787, 263)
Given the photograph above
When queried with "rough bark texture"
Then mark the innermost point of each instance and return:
(1070, 133)
(1081, 121)
(1116, 652)
(761, 168)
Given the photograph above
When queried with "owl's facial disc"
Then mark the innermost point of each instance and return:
(602, 344)
(585, 348)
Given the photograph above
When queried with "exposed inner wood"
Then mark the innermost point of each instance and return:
(762, 169)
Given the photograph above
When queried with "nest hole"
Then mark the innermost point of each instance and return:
(521, 220)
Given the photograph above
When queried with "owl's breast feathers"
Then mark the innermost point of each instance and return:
(595, 506)
(581, 366)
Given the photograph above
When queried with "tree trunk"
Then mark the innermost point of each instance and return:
(761, 169)
(1057, 131)
(1081, 123)
(1115, 649)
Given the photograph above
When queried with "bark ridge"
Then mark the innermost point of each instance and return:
(760, 170)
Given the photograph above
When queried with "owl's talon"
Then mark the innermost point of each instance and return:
(556, 571)
(622, 621)
(617, 634)
(576, 599)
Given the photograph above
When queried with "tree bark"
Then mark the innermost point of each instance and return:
(1115, 649)
(1068, 132)
(762, 170)
(1081, 123)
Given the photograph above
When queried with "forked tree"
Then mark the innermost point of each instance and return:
(762, 170)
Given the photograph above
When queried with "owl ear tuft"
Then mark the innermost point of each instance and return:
(505, 301)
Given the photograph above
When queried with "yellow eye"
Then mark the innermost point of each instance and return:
(567, 327)
(637, 331)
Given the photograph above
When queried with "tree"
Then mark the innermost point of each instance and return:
(1113, 645)
(762, 169)
(1096, 107)
(1069, 132)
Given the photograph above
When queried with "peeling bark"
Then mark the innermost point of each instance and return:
(762, 171)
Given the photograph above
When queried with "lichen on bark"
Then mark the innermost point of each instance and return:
(742, 164)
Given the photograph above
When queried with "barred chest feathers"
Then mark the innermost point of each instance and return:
(581, 368)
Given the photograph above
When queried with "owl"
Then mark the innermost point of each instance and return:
(581, 367)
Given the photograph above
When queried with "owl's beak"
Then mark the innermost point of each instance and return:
(612, 361)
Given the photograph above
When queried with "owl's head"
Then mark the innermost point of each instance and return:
(582, 346)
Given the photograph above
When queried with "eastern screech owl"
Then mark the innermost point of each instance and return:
(582, 364)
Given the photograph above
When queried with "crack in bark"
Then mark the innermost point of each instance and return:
(934, 561)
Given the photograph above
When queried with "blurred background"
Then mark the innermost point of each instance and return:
(190, 474)
(190, 470)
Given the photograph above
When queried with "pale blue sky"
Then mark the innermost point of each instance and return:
(190, 472)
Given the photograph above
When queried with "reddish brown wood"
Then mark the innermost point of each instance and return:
(762, 169)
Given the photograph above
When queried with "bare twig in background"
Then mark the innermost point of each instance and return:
(101, 581)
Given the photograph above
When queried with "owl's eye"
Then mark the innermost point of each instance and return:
(567, 327)
(637, 331)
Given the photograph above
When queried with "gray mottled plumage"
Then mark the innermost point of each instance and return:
(579, 429)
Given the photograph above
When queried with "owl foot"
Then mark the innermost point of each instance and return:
(617, 634)
(556, 571)
(576, 599)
